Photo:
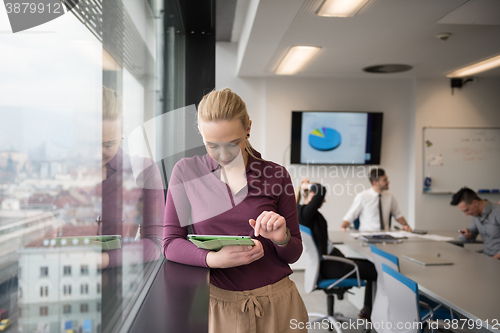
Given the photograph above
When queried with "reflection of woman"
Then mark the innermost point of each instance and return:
(122, 190)
(232, 191)
(310, 217)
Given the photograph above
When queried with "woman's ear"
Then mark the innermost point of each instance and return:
(249, 127)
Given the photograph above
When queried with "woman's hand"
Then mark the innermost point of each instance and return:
(104, 261)
(304, 184)
(270, 225)
(235, 255)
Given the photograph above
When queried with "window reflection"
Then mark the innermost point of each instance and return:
(65, 174)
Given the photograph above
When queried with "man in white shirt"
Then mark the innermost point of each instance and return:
(374, 205)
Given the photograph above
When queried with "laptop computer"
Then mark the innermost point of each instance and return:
(380, 238)
(427, 259)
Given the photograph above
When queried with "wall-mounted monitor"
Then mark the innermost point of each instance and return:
(331, 137)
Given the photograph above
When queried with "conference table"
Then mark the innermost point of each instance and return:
(469, 286)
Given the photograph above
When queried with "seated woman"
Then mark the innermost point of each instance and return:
(309, 216)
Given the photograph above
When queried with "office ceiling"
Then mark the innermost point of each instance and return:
(383, 32)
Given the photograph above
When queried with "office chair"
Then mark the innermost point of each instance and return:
(428, 309)
(313, 280)
(404, 306)
(356, 222)
(380, 303)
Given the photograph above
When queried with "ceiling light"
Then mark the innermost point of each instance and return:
(478, 67)
(340, 8)
(296, 59)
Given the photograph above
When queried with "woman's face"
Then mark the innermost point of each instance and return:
(224, 139)
(111, 138)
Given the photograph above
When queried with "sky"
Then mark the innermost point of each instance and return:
(50, 86)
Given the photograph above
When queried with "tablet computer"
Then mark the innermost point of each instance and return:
(215, 242)
(106, 243)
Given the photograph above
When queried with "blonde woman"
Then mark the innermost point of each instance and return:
(232, 191)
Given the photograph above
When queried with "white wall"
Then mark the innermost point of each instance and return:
(251, 90)
(475, 105)
(271, 100)
(391, 96)
(408, 106)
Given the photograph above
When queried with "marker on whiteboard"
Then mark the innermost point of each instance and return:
(495, 190)
(427, 183)
(483, 191)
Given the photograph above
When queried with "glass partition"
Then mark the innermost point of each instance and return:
(80, 215)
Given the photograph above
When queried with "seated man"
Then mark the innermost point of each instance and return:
(485, 221)
(375, 206)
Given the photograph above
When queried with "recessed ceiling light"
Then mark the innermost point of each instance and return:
(478, 67)
(387, 69)
(340, 8)
(296, 59)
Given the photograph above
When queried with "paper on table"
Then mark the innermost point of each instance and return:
(437, 238)
(402, 234)
(395, 234)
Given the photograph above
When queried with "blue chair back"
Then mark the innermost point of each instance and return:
(356, 224)
(312, 278)
(403, 305)
(311, 273)
(380, 312)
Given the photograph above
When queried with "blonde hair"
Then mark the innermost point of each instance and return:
(111, 105)
(224, 104)
(298, 194)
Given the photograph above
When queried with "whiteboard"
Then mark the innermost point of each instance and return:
(457, 157)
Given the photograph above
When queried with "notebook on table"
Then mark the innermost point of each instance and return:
(380, 238)
(427, 259)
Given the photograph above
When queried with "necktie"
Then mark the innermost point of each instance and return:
(380, 212)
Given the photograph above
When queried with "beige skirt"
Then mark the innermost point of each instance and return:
(274, 308)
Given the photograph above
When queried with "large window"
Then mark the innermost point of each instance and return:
(72, 192)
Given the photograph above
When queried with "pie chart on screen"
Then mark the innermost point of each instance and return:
(324, 139)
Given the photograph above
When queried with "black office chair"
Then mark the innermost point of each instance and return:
(313, 280)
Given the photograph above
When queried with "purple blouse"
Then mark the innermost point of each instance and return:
(197, 197)
(146, 196)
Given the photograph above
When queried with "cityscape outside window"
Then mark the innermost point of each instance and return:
(84, 289)
(84, 308)
(44, 291)
(68, 202)
(44, 311)
(84, 270)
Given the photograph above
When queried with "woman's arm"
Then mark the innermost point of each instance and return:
(287, 208)
(309, 211)
(176, 219)
(177, 248)
(175, 245)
